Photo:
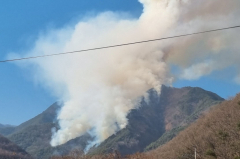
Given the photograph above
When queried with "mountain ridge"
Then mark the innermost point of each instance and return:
(214, 135)
(34, 135)
(156, 116)
(174, 107)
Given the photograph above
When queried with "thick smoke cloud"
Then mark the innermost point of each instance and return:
(99, 88)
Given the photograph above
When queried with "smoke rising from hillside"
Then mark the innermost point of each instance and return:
(99, 88)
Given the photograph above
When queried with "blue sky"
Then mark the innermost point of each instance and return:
(21, 23)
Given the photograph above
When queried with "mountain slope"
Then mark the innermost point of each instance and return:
(9, 150)
(215, 135)
(145, 125)
(173, 108)
(35, 139)
(166, 137)
(34, 136)
(48, 116)
(3, 126)
(193, 102)
(6, 129)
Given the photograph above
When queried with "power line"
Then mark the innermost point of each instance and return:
(119, 45)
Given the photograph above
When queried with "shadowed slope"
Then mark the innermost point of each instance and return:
(9, 150)
(173, 108)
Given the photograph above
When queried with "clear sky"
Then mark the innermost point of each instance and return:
(21, 23)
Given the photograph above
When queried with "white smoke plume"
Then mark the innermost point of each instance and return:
(99, 88)
(197, 70)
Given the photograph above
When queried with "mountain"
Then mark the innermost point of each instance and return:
(35, 139)
(174, 108)
(6, 129)
(46, 117)
(167, 113)
(9, 150)
(176, 121)
(166, 137)
(2, 126)
(215, 135)
(34, 136)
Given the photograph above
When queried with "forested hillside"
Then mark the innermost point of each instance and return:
(158, 120)
(167, 113)
(216, 135)
(9, 150)
(34, 136)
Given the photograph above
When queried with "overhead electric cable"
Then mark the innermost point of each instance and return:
(119, 45)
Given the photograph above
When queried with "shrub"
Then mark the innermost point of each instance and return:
(238, 125)
(211, 153)
(223, 135)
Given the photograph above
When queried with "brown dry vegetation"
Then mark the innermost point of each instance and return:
(9, 150)
(77, 155)
(215, 135)
(159, 120)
